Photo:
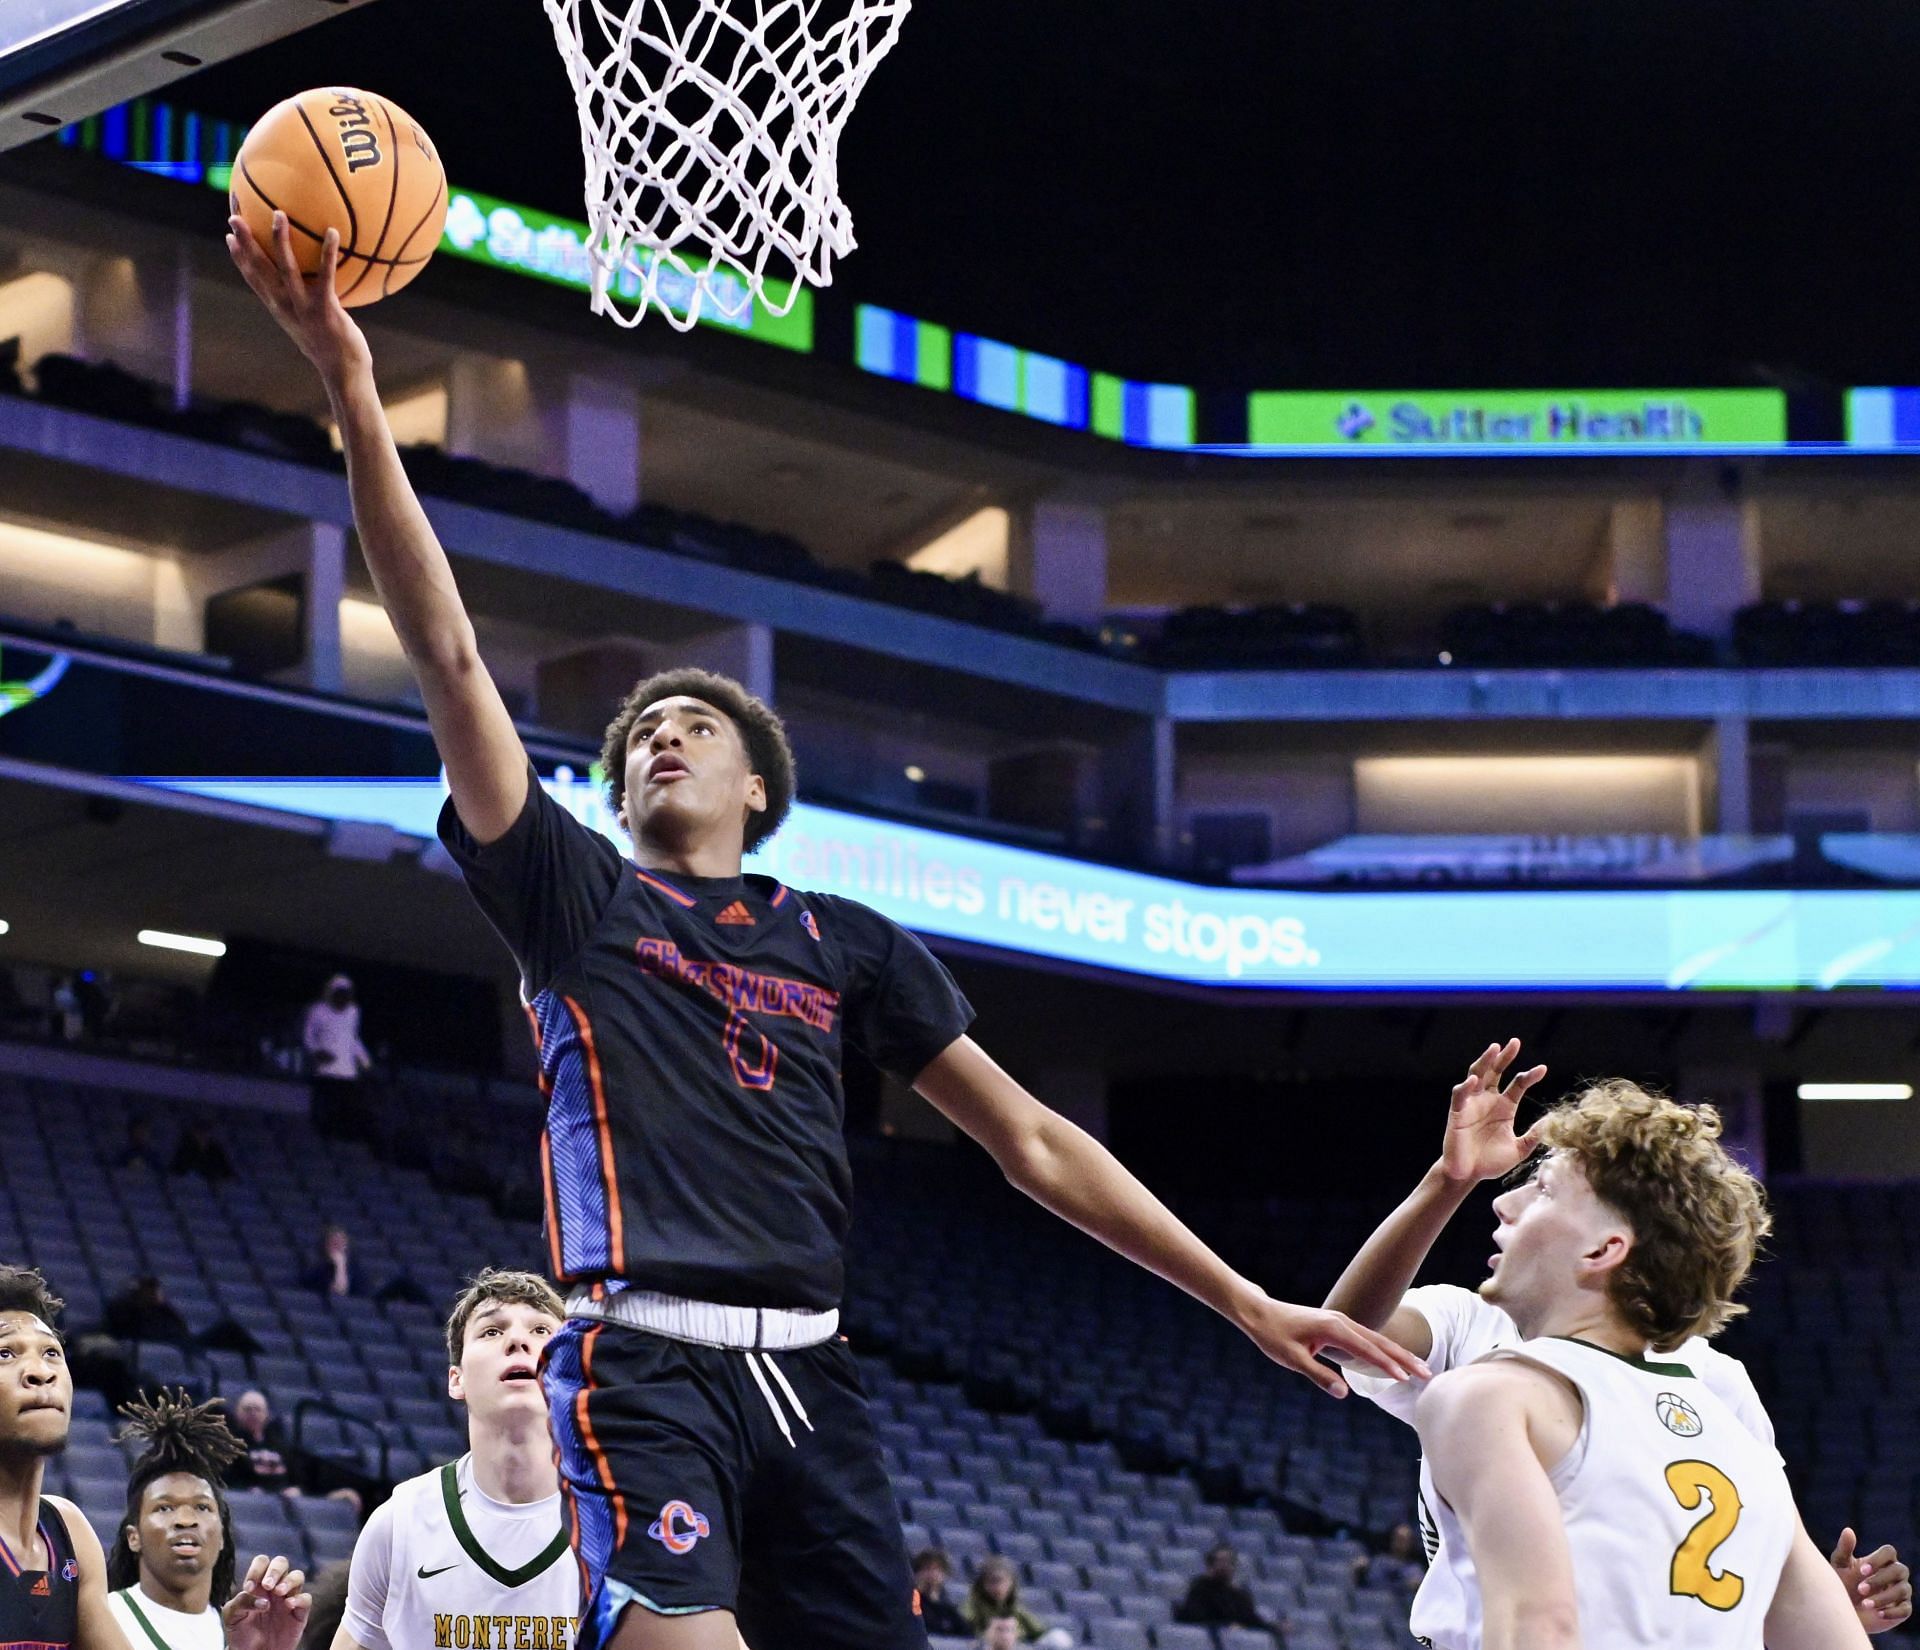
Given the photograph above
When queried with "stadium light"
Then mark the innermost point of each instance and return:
(182, 942)
(1856, 1091)
(4, 925)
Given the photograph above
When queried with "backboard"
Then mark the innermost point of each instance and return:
(62, 60)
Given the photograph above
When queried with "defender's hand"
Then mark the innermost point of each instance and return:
(307, 307)
(271, 1608)
(1480, 1143)
(1879, 1585)
(1296, 1336)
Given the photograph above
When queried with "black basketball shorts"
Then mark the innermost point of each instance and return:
(702, 1478)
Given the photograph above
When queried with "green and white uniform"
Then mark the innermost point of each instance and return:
(1678, 1519)
(443, 1566)
(150, 1626)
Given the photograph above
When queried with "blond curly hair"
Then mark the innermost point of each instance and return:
(1698, 1217)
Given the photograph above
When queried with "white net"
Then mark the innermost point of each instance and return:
(712, 138)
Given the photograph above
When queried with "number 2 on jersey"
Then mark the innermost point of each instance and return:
(1692, 1575)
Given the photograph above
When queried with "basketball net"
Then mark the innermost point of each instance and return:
(712, 134)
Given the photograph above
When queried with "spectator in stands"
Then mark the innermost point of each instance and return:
(337, 1058)
(995, 1596)
(1398, 1569)
(1216, 1598)
(139, 1152)
(932, 1569)
(142, 1312)
(268, 1461)
(334, 1271)
(201, 1153)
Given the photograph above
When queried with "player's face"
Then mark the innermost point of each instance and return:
(687, 774)
(178, 1536)
(1555, 1240)
(499, 1368)
(36, 1388)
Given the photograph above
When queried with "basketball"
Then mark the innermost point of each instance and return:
(336, 158)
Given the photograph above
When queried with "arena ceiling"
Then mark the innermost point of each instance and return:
(1391, 195)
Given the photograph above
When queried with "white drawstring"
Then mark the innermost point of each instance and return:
(773, 1403)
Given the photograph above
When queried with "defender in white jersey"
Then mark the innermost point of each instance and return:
(1451, 1327)
(173, 1553)
(1589, 1494)
(473, 1555)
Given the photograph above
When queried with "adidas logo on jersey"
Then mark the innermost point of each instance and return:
(736, 915)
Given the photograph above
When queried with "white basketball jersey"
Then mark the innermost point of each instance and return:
(1679, 1519)
(444, 1567)
(1465, 1329)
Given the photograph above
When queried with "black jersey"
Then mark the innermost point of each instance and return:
(690, 1047)
(39, 1609)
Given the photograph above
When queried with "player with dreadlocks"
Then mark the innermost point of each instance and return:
(174, 1554)
(53, 1573)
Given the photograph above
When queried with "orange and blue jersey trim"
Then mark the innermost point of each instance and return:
(779, 897)
(685, 901)
(585, 1228)
(610, 1180)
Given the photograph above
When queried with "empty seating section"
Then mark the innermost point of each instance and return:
(1278, 636)
(233, 1251)
(1035, 1396)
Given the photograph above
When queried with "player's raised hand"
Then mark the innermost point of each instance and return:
(1297, 1337)
(307, 307)
(1481, 1143)
(270, 1610)
(1880, 1586)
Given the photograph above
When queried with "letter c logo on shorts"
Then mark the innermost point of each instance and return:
(679, 1528)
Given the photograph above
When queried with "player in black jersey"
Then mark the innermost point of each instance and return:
(718, 1459)
(53, 1574)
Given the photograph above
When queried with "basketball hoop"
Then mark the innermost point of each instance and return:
(711, 130)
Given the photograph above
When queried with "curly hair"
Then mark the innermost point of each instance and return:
(760, 728)
(495, 1285)
(181, 1436)
(22, 1289)
(1698, 1217)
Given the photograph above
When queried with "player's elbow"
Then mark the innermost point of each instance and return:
(1533, 1623)
(444, 649)
(1030, 1157)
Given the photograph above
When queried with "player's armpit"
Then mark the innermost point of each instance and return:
(343, 1640)
(1810, 1608)
(94, 1625)
(1478, 1427)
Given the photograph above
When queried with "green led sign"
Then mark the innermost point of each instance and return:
(1488, 421)
(517, 238)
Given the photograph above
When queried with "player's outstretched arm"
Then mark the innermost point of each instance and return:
(1478, 1429)
(486, 763)
(1065, 1169)
(1810, 1608)
(1480, 1144)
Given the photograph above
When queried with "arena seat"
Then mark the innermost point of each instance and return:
(1108, 1529)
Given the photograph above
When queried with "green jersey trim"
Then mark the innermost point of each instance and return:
(463, 1533)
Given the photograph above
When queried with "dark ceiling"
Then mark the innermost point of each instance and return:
(1494, 193)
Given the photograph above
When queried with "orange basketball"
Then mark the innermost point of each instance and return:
(335, 158)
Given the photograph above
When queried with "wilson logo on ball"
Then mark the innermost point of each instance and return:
(358, 141)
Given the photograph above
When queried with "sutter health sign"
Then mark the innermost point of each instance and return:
(1497, 419)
